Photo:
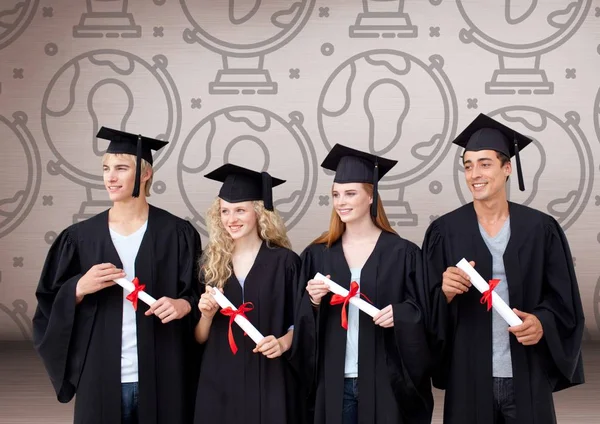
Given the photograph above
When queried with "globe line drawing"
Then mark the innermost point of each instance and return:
(596, 114)
(217, 137)
(388, 70)
(519, 70)
(383, 18)
(18, 313)
(117, 66)
(15, 17)
(16, 207)
(107, 19)
(243, 70)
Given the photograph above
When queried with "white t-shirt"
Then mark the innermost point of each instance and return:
(351, 361)
(127, 247)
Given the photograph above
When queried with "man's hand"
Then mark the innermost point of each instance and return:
(530, 332)
(455, 281)
(167, 309)
(97, 278)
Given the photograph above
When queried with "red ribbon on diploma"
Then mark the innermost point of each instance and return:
(336, 299)
(232, 313)
(487, 295)
(133, 296)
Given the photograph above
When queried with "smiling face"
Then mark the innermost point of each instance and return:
(119, 176)
(351, 201)
(485, 174)
(239, 219)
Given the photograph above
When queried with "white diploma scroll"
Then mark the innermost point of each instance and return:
(129, 286)
(497, 303)
(361, 304)
(244, 324)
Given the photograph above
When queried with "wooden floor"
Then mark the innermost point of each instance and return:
(26, 396)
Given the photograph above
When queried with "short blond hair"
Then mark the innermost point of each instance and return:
(146, 167)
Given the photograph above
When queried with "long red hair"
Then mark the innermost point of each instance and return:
(337, 226)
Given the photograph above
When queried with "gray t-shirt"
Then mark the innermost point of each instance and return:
(501, 360)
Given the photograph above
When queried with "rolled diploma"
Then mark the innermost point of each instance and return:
(244, 324)
(497, 303)
(143, 296)
(361, 304)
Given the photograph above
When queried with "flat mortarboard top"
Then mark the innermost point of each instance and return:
(243, 184)
(485, 133)
(354, 166)
(132, 144)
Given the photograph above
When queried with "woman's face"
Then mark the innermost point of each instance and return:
(239, 219)
(351, 201)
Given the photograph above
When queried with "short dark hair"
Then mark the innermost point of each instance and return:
(503, 160)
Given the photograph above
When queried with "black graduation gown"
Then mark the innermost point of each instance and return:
(541, 280)
(393, 381)
(80, 345)
(249, 387)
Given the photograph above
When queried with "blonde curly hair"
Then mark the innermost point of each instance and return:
(215, 263)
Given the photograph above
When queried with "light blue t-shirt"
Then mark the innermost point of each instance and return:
(501, 359)
(351, 360)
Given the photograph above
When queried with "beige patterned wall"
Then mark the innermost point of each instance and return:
(274, 84)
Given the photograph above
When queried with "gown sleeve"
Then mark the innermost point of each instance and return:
(304, 344)
(61, 328)
(441, 316)
(292, 271)
(190, 249)
(560, 310)
(410, 377)
(410, 320)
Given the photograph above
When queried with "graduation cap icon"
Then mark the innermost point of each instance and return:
(242, 184)
(485, 133)
(355, 166)
(133, 144)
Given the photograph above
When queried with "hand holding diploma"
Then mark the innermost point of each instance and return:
(316, 290)
(530, 332)
(489, 296)
(208, 305)
(97, 278)
(343, 296)
(239, 316)
(455, 282)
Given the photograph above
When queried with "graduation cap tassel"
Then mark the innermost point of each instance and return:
(519, 171)
(375, 189)
(138, 168)
(267, 190)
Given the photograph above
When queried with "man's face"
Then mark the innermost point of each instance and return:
(485, 174)
(119, 176)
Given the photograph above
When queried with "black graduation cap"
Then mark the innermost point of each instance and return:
(243, 184)
(354, 166)
(132, 144)
(485, 133)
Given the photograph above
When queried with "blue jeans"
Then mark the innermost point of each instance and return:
(350, 406)
(129, 403)
(505, 407)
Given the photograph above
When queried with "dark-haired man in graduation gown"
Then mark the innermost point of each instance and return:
(125, 362)
(493, 373)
